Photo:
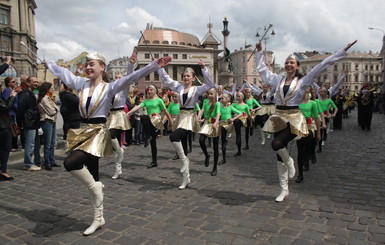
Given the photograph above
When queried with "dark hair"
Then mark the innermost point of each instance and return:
(138, 97)
(7, 80)
(297, 73)
(43, 89)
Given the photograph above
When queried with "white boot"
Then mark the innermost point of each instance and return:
(268, 135)
(262, 137)
(283, 181)
(179, 150)
(98, 221)
(118, 158)
(95, 187)
(287, 160)
(186, 180)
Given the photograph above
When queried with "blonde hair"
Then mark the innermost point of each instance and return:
(189, 69)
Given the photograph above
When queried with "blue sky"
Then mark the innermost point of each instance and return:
(111, 27)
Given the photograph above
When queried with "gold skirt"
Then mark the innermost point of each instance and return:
(281, 118)
(312, 127)
(243, 120)
(173, 118)
(188, 120)
(156, 120)
(266, 109)
(92, 138)
(208, 130)
(229, 127)
(118, 120)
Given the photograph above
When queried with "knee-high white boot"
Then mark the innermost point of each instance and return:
(179, 150)
(118, 159)
(96, 190)
(287, 160)
(283, 181)
(186, 180)
(262, 137)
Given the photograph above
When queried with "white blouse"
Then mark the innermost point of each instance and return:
(297, 87)
(103, 93)
(120, 98)
(193, 93)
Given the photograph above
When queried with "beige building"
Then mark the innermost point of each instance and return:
(117, 67)
(17, 23)
(185, 49)
(362, 68)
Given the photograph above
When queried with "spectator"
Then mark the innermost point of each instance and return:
(28, 119)
(48, 114)
(10, 85)
(69, 110)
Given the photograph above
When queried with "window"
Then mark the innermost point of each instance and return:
(174, 72)
(156, 56)
(147, 78)
(175, 56)
(356, 67)
(254, 80)
(243, 70)
(165, 55)
(146, 41)
(335, 67)
(182, 43)
(174, 43)
(356, 87)
(6, 43)
(155, 42)
(243, 59)
(184, 56)
(4, 16)
(356, 77)
(156, 76)
(147, 56)
(165, 42)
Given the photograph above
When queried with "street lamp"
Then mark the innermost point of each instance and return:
(266, 37)
(383, 55)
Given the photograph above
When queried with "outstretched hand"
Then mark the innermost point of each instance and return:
(349, 45)
(259, 46)
(164, 61)
(133, 58)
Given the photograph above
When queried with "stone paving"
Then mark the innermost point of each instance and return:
(340, 201)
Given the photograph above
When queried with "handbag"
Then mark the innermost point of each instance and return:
(15, 129)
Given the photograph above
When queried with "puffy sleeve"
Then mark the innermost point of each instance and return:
(209, 82)
(267, 76)
(66, 76)
(168, 82)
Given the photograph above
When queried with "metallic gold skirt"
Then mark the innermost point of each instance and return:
(187, 119)
(173, 118)
(92, 138)
(118, 120)
(312, 127)
(282, 118)
(244, 121)
(156, 120)
(266, 109)
(229, 127)
(208, 130)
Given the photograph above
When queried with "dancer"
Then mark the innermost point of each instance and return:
(92, 140)
(187, 119)
(309, 109)
(227, 122)
(117, 121)
(254, 106)
(210, 128)
(288, 122)
(153, 120)
(326, 104)
(241, 106)
(173, 109)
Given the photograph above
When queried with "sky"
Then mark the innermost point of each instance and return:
(112, 28)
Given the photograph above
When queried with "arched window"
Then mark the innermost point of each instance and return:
(174, 43)
(165, 42)
(155, 42)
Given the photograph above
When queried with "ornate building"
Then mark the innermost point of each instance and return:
(117, 66)
(362, 68)
(17, 23)
(185, 49)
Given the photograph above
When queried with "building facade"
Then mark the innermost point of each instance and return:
(17, 23)
(361, 67)
(117, 67)
(185, 49)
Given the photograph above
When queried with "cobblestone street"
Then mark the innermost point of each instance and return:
(340, 201)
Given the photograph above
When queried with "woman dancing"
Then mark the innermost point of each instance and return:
(210, 128)
(254, 106)
(92, 140)
(288, 122)
(187, 119)
(118, 122)
(153, 120)
(241, 106)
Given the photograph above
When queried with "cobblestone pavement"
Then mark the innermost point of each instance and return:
(340, 201)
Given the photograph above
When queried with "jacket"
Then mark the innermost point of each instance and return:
(48, 109)
(27, 114)
(5, 107)
(69, 106)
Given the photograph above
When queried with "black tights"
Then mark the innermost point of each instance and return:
(202, 143)
(238, 127)
(150, 132)
(115, 133)
(281, 139)
(180, 134)
(305, 148)
(248, 130)
(224, 143)
(260, 120)
(77, 159)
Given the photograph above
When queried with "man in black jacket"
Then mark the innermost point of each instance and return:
(69, 110)
(28, 118)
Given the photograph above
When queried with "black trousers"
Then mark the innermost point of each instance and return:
(150, 132)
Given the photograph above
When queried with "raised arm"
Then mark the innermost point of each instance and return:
(335, 88)
(209, 80)
(254, 89)
(267, 76)
(66, 76)
(167, 81)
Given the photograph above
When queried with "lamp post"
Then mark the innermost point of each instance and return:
(265, 37)
(383, 55)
